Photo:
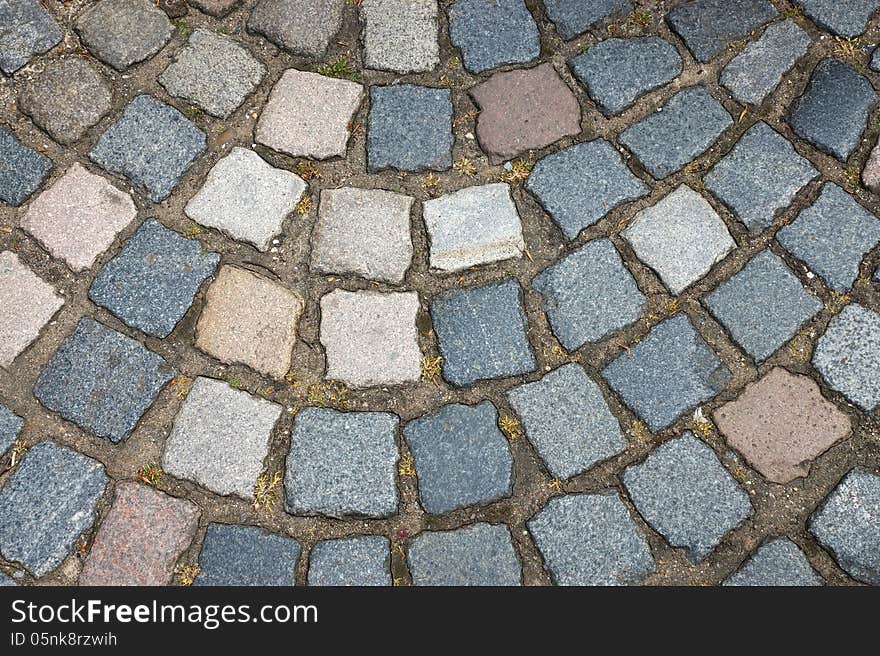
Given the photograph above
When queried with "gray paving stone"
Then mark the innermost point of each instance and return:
(833, 112)
(481, 333)
(153, 280)
(754, 73)
(28, 30)
(47, 502)
(304, 27)
(680, 131)
(832, 236)
(246, 556)
(777, 563)
(848, 524)
(461, 457)
(492, 33)
(845, 17)
(123, 32)
(10, 426)
(667, 373)
(875, 60)
(760, 176)
(152, 144)
(409, 128)
(572, 17)
(364, 560)
(590, 539)
(480, 554)
(400, 35)
(579, 185)
(102, 380)
(342, 463)
(848, 355)
(616, 72)
(22, 169)
(708, 26)
(568, 420)
(684, 492)
(763, 305)
(6, 580)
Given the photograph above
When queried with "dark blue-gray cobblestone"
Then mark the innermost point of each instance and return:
(777, 563)
(480, 554)
(709, 26)
(492, 33)
(10, 426)
(246, 556)
(27, 30)
(844, 17)
(572, 17)
(22, 169)
(364, 560)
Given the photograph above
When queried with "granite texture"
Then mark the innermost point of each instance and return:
(302, 27)
(363, 560)
(22, 169)
(476, 555)
(709, 26)
(573, 17)
(775, 564)
(122, 33)
(234, 555)
(492, 33)
(400, 35)
(28, 30)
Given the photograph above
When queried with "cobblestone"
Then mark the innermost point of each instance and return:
(845, 17)
(776, 563)
(246, 555)
(304, 27)
(28, 30)
(122, 33)
(358, 561)
(492, 34)
(480, 554)
(573, 18)
(10, 427)
(22, 169)
(709, 26)
(400, 35)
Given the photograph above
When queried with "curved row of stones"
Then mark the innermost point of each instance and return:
(620, 200)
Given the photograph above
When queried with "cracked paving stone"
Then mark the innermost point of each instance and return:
(22, 169)
(480, 554)
(473, 226)
(568, 420)
(670, 371)
(363, 560)
(153, 280)
(579, 185)
(48, 501)
(481, 332)
(461, 457)
(123, 32)
(845, 17)
(763, 305)
(303, 27)
(10, 427)
(781, 423)
(707, 27)
(400, 35)
(152, 144)
(102, 380)
(141, 538)
(590, 539)
(677, 133)
(218, 8)
(246, 556)
(617, 72)
(777, 563)
(342, 463)
(28, 30)
(832, 237)
(573, 17)
(684, 492)
(492, 33)
(833, 112)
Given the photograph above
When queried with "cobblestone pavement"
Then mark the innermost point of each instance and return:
(403, 292)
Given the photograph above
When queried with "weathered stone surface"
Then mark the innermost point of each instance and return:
(28, 30)
(400, 35)
(708, 26)
(123, 32)
(848, 18)
(246, 555)
(304, 27)
(47, 502)
(871, 174)
(10, 426)
(364, 560)
(776, 563)
(572, 17)
(491, 34)
(480, 554)
(215, 7)
(22, 169)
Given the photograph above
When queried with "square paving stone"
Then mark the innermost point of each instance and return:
(48, 501)
(364, 560)
(152, 144)
(708, 26)
(667, 373)
(10, 427)
(246, 198)
(461, 457)
(492, 33)
(400, 35)
(141, 538)
(66, 99)
(79, 217)
(303, 27)
(214, 72)
(246, 556)
(579, 185)
(481, 333)
(342, 463)
(251, 320)
(28, 304)
(833, 112)
(616, 72)
(848, 355)
(153, 280)
(308, 115)
(524, 110)
(681, 238)
(763, 305)
(568, 420)
(777, 563)
(781, 423)
(220, 438)
(832, 237)
(754, 73)
(572, 17)
(22, 169)
(365, 232)
(480, 554)
(760, 176)
(590, 539)
(473, 226)
(677, 133)
(848, 524)
(409, 128)
(102, 380)
(370, 337)
(684, 492)
(123, 32)
(28, 30)
(848, 18)
(589, 294)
